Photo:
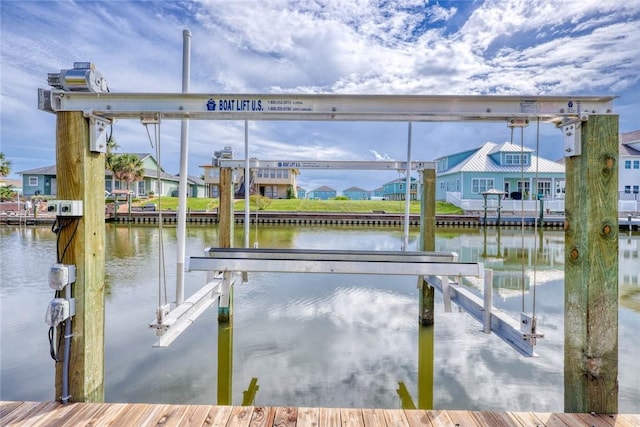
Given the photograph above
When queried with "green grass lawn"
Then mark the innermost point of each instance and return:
(303, 205)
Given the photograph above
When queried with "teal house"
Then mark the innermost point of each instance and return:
(356, 193)
(507, 167)
(396, 189)
(322, 193)
(42, 181)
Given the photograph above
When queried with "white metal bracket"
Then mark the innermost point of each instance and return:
(97, 133)
(572, 135)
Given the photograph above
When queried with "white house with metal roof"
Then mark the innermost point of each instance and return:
(629, 172)
(509, 167)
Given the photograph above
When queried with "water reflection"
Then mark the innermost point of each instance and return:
(313, 340)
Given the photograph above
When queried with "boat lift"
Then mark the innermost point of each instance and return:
(102, 108)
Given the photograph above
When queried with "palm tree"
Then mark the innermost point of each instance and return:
(110, 157)
(127, 167)
(5, 166)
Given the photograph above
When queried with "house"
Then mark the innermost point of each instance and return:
(629, 172)
(42, 181)
(39, 182)
(275, 183)
(507, 167)
(395, 190)
(301, 192)
(377, 194)
(322, 193)
(356, 193)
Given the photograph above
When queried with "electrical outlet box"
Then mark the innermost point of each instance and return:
(57, 312)
(53, 206)
(61, 275)
(69, 208)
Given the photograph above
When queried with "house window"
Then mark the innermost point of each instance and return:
(214, 173)
(285, 173)
(108, 185)
(272, 173)
(33, 181)
(515, 159)
(480, 185)
(627, 164)
(141, 188)
(627, 189)
(458, 184)
(544, 188)
(443, 164)
(636, 164)
(636, 189)
(443, 185)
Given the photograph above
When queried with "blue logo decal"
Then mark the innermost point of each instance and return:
(211, 105)
(570, 104)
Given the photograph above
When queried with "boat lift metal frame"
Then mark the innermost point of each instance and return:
(437, 267)
(104, 107)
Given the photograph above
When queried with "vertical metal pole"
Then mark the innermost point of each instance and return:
(182, 188)
(407, 193)
(247, 183)
(488, 300)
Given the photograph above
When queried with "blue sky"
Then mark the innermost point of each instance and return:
(533, 47)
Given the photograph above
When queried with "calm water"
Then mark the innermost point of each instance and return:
(310, 340)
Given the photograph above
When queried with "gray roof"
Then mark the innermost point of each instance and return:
(323, 188)
(630, 143)
(481, 162)
(509, 147)
(45, 170)
(355, 189)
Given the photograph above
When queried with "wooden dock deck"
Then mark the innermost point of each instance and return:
(139, 414)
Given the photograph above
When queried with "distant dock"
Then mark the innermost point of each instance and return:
(323, 218)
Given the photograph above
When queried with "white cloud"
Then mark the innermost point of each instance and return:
(537, 47)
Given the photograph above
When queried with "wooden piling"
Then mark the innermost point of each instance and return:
(427, 241)
(225, 229)
(80, 176)
(591, 271)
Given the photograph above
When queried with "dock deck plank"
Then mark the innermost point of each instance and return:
(165, 415)
(308, 417)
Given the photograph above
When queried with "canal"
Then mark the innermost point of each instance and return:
(311, 340)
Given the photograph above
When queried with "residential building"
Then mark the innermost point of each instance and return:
(275, 183)
(629, 161)
(507, 167)
(42, 181)
(396, 189)
(356, 193)
(301, 192)
(377, 194)
(322, 193)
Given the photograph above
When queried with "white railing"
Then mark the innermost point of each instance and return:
(551, 206)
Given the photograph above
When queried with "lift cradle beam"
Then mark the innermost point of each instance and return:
(435, 266)
(323, 107)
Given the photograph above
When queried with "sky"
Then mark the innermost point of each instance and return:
(492, 47)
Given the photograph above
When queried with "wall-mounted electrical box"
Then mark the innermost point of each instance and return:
(572, 136)
(70, 208)
(65, 207)
(61, 275)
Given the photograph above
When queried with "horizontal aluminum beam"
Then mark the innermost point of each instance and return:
(322, 165)
(336, 262)
(182, 316)
(324, 107)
